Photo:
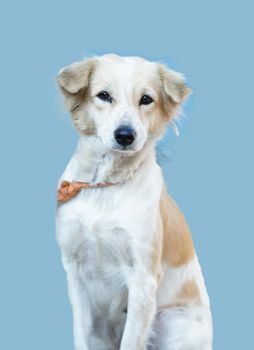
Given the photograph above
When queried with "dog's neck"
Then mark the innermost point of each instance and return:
(93, 163)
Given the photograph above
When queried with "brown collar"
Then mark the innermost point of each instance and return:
(67, 189)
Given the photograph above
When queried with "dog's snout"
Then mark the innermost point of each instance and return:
(125, 135)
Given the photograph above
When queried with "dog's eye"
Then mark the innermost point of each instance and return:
(104, 96)
(145, 100)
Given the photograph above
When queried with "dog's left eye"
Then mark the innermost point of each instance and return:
(145, 100)
(104, 96)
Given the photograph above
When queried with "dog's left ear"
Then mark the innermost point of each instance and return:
(175, 90)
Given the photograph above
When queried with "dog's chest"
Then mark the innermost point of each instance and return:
(105, 261)
(105, 254)
(97, 236)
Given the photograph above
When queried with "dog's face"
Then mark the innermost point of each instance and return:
(124, 101)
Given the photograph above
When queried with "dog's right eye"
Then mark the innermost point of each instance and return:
(104, 96)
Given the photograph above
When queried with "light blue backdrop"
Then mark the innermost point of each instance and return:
(209, 169)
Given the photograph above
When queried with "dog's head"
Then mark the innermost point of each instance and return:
(124, 101)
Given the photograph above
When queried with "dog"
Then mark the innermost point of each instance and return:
(134, 280)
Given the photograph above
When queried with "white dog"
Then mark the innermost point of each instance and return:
(134, 280)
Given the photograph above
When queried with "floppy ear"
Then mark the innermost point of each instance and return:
(73, 81)
(173, 85)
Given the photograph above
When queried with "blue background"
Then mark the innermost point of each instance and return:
(209, 169)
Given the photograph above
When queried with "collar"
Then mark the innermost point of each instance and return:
(67, 189)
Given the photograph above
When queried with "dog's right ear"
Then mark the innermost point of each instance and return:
(73, 81)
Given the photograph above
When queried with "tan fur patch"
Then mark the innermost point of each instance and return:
(177, 242)
(189, 293)
(158, 120)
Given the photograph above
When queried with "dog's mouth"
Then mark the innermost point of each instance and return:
(133, 148)
(126, 150)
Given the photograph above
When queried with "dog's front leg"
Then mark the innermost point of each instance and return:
(141, 310)
(82, 320)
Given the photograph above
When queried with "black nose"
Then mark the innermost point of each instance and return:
(124, 135)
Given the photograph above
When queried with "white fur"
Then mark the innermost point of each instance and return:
(106, 236)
